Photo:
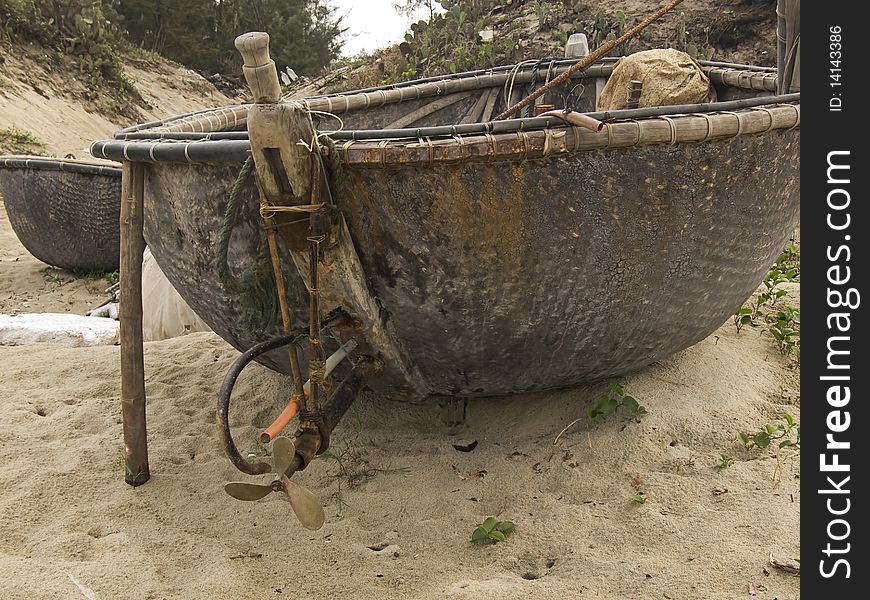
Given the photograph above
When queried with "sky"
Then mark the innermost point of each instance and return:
(371, 24)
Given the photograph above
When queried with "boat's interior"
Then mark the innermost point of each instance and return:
(457, 102)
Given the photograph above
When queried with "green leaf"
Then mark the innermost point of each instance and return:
(496, 535)
(479, 534)
(785, 443)
(606, 407)
(762, 439)
(617, 389)
(506, 527)
(639, 498)
(744, 439)
(630, 404)
(489, 524)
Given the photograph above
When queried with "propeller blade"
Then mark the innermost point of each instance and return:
(304, 504)
(246, 491)
(283, 453)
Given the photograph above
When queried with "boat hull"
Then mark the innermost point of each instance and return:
(480, 257)
(515, 275)
(65, 212)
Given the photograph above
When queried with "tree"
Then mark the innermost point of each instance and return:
(408, 8)
(305, 34)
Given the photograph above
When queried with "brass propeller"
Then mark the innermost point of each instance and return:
(302, 501)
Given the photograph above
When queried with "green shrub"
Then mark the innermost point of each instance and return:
(81, 29)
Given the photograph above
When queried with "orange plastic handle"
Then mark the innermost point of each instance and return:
(287, 415)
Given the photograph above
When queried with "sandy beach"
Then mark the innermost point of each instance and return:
(614, 507)
(401, 501)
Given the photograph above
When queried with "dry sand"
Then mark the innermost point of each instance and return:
(702, 532)
(29, 285)
(71, 528)
(50, 106)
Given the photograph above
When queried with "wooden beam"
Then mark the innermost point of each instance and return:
(136, 471)
(476, 111)
(490, 105)
(426, 110)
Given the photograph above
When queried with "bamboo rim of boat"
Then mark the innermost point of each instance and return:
(217, 135)
(26, 161)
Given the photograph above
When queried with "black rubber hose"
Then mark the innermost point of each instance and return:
(223, 411)
(226, 391)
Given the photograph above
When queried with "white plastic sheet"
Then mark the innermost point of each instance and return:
(59, 328)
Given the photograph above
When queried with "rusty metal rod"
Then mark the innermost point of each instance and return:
(587, 60)
(576, 118)
(309, 443)
(316, 365)
(286, 319)
(136, 471)
(292, 408)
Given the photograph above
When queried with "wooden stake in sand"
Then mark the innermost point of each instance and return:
(136, 470)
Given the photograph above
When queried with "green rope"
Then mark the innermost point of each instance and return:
(258, 306)
(229, 222)
(331, 165)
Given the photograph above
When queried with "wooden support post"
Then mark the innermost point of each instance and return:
(136, 470)
(276, 130)
(281, 136)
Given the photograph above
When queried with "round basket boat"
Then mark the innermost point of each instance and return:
(491, 257)
(65, 212)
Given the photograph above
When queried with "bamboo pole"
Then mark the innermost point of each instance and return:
(599, 53)
(136, 471)
(473, 116)
(218, 123)
(790, 76)
(426, 110)
(780, 45)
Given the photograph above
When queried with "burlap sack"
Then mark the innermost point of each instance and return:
(669, 77)
(165, 314)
